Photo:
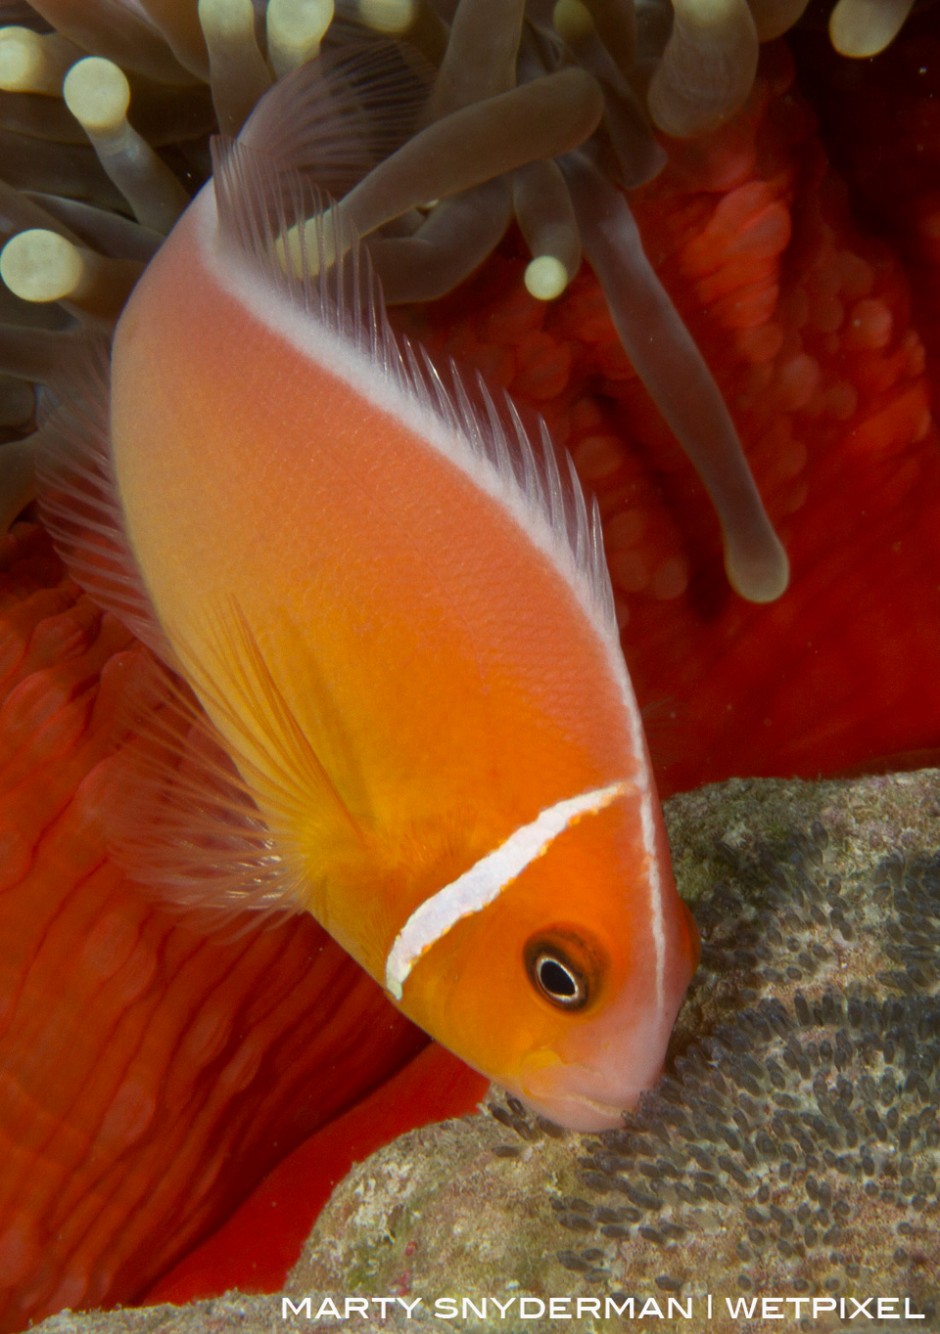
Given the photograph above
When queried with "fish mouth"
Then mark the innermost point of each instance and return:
(571, 1101)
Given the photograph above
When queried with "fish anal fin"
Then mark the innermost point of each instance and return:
(78, 500)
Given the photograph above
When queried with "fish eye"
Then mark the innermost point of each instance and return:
(559, 982)
(563, 969)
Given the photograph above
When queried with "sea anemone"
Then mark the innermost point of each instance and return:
(804, 320)
(544, 113)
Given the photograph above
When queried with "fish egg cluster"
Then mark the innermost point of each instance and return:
(800, 927)
(796, 1150)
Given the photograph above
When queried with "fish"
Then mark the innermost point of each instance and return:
(390, 603)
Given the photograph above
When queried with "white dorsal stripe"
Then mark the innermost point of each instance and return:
(486, 880)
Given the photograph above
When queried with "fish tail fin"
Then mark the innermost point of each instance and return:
(307, 144)
(334, 118)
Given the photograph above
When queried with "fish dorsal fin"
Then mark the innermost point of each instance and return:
(536, 481)
(78, 500)
(327, 286)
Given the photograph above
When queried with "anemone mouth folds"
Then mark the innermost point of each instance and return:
(542, 114)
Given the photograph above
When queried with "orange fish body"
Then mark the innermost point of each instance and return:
(406, 645)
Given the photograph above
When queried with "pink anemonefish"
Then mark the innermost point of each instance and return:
(394, 611)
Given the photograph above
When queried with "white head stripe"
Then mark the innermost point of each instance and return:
(486, 880)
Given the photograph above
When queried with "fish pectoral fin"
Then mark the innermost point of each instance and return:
(302, 775)
(227, 805)
(184, 822)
